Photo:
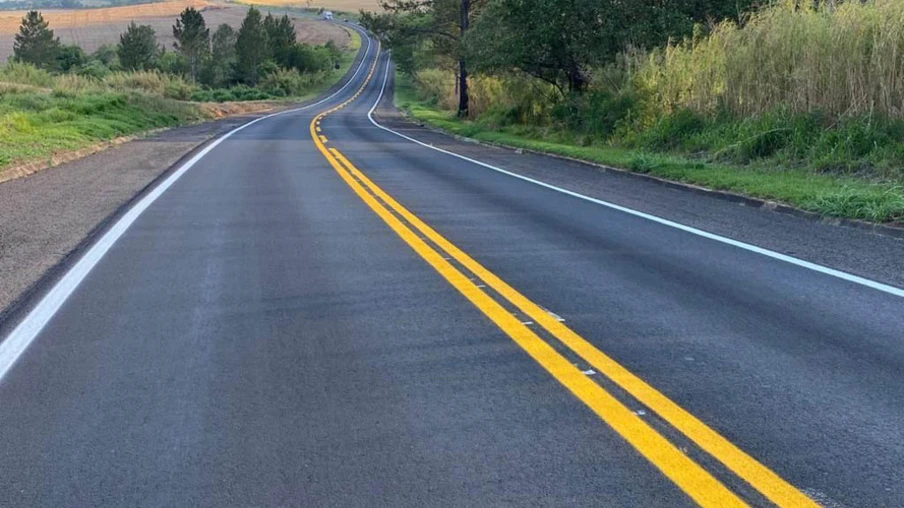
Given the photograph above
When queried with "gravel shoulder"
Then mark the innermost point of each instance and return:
(45, 217)
(48, 218)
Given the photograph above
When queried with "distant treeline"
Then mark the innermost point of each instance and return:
(262, 55)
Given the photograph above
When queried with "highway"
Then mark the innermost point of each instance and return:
(319, 310)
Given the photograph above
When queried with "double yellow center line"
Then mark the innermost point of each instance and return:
(693, 479)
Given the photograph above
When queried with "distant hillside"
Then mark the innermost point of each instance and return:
(90, 28)
(336, 5)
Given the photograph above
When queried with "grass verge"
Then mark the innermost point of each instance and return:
(36, 124)
(828, 195)
(42, 115)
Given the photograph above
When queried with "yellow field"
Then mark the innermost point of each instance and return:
(68, 18)
(89, 28)
(337, 5)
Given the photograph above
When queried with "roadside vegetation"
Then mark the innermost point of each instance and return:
(56, 97)
(797, 102)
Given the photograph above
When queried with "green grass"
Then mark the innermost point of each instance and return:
(345, 63)
(42, 114)
(826, 194)
(34, 125)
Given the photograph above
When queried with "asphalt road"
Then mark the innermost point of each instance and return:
(351, 321)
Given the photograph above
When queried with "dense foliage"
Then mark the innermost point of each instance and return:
(35, 42)
(557, 41)
(796, 85)
(263, 53)
(137, 48)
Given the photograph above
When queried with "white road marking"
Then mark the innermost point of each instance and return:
(25, 332)
(553, 314)
(885, 288)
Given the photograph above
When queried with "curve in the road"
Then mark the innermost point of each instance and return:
(695, 481)
(18, 340)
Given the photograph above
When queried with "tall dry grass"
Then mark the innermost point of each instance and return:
(151, 82)
(524, 97)
(844, 59)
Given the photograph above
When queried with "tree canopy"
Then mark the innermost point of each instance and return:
(251, 48)
(137, 48)
(35, 42)
(192, 39)
(558, 41)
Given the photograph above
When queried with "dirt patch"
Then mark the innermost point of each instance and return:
(91, 28)
(224, 109)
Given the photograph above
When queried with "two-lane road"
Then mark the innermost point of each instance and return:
(317, 311)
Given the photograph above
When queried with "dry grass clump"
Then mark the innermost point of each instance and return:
(840, 59)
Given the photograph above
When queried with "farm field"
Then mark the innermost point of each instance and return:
(336, 5)
(90, 28)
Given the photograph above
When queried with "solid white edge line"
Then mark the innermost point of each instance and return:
(28, 329)
(699, 232)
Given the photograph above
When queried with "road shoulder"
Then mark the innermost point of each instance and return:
(50, 216)
(849, 249)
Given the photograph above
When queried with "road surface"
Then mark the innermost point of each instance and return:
(317, 311)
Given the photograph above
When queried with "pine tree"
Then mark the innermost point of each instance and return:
(35, 43)
(192, 39)
(223, 43)
(217, 71)
(137, 48)
(280, 38)
(250, 47)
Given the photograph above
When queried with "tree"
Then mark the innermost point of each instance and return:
(137, 48)
(250, 47)
(192, 39)
(70, 58)
(559, 41)
(553, 40)
(171, 62)
(434, 26)
(280, 38)
(35, 43)
(223, 43)
(107, 55)
(307, 58)
(217, 69)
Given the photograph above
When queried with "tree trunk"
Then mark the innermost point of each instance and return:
(577, 81)
(462, 69)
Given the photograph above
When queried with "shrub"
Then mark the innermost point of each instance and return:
(70, 85)
(177, 88)
(25, 74)
(93, 69)
(172, 63)
(283, 83)
(238, 93)
(153, 82)
(840, 59)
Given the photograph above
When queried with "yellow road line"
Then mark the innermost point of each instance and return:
(696, 482)
(759, 476)
(756, 474)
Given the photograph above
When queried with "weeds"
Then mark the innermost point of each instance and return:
(780, 133)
